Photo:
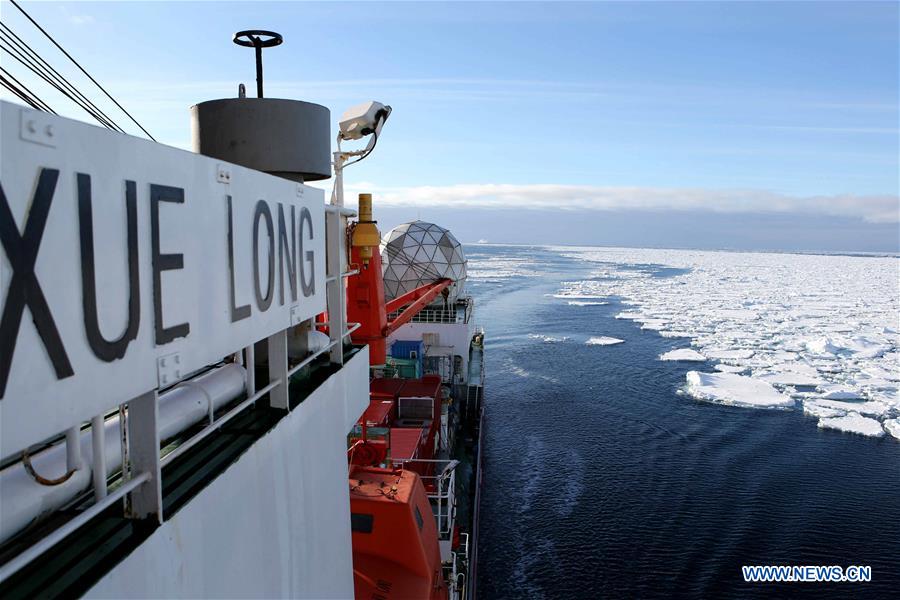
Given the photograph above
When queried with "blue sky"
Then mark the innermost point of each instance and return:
(725, 115)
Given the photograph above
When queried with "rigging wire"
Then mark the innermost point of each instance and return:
(18, 49)
(82, 69)
(21, 90)
(24, 48)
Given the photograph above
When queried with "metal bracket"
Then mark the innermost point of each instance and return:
(168, 369)
(299, 190)
(223, 174)
(38, 128)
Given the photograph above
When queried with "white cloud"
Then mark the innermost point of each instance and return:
(883, 208)
(81, 19)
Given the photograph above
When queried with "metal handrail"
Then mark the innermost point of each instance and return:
(216, 424)
(445, 488)
(70, 526)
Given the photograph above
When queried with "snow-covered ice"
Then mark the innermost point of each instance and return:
(791, 378)
(790, 322)
(735, 390)
(853, 423)
(873, 408)
(730, 368)
(684, 354)
(815, 409)
(892, 426)
(603, 341)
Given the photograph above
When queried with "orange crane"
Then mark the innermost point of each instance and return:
(365, 292)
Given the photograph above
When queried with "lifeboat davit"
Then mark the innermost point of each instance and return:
(395, 538)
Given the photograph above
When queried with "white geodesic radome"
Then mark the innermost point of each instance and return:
(417, 253)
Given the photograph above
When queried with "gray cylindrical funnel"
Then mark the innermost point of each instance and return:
(288, 138)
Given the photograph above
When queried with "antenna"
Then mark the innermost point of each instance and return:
(254, 38)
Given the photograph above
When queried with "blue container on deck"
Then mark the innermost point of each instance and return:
(408, 349)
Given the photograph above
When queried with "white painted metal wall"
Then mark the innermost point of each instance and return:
(276, 524)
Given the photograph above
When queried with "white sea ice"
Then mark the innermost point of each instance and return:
(784, 320)
(585, 303)
(579, 297)
(683, 354)
(790, 378)
(548, 339)
(873, 408)
(892, 426)
(729, 368)
(603, 341)
(729, 354)
(735, 390)
(674, 334)
(814, 409)
(853, 423)
(838, 392)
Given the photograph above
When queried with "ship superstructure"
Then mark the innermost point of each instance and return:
(422, 427)
(184, 357)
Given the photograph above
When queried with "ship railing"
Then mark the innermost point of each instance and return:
(459, 569)
(216, 424)
(442, 492)
(139, 484)
(138, 425)
(460, 312)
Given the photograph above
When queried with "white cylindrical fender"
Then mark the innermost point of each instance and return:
(23, 500)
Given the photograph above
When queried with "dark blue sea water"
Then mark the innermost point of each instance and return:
(602, 482)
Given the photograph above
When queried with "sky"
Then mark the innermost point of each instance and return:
(666, 124)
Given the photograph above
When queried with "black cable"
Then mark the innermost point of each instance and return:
(25, 60)
(22, 96)
(37, 70)
(21, 90)
(44, 70)
(26, 50)
(69, 56)
(368, 152)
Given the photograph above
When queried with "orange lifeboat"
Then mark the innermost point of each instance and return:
(395, 538)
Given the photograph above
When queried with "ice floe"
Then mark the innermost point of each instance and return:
(892, 426)
(791, 378)
(549, 339)
(735, 390)
(683, 354)
(839, 392)
(815, 409)
(853, 423)
(603, 341)
(730, 354)
(818, 328)
(873, 408)
(730, 368)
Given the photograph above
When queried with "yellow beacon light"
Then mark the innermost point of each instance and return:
(365, 234)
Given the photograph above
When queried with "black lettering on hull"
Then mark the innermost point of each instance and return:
(290, 251)
(308, 285)
(24, 288)
(163, 262)
(238, 313)
(104, 349)
(263, 301)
